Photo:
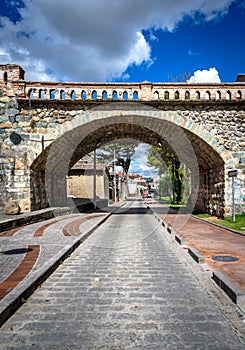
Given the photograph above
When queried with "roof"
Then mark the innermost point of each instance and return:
(240, 78)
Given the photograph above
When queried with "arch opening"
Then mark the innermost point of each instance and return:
(50, 170)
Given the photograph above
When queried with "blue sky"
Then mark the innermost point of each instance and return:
(115, 40)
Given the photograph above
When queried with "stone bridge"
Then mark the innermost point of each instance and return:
(46, 127)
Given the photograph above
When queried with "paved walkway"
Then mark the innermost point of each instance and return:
(210, 240)
(126, 287)
(29, 254)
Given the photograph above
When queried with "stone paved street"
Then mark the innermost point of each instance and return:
(125, 287)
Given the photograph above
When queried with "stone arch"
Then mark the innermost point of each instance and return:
(194, 146)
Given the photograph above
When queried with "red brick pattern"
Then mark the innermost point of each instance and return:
(21, 271)
(72, 229)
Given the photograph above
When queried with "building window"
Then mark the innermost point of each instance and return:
(30, 94)
(166, 95)
(62, 95)
(104, 95)
(239, 95)
(83, 95)
(114, 95)
(125, 95)
(228, 95)
(94, 95)
(218, 95)
(197, 95)
(5, 77)
(135, 95)
(187, 95)
(176, 95)
(73, 95)
(156, 95)
(41, 94)
(208, 95)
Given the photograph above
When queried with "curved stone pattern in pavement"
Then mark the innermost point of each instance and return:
(73, 228)
(25, 249)
(29, 260)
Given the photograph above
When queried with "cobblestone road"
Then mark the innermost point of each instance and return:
(125, 287)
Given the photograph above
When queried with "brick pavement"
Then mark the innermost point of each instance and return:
(126, 287)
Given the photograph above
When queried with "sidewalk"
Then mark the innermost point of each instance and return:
(208, 241)
(30, 253)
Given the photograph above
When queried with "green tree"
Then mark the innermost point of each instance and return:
(166, 162)
(165, 186)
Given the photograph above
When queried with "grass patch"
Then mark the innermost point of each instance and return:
(238, 225)
(166, 200)
(163, 200)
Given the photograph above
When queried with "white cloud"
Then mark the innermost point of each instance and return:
(139, 162)
(205, 76)
(91, 39)
(141, 51)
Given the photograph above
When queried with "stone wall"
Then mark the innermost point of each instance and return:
(81, 185)
(28, 127)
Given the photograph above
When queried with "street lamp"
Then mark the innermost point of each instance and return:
(115, 179)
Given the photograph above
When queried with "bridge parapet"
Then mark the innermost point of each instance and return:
(12, 83)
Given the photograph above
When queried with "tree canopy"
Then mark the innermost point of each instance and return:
(124, 150)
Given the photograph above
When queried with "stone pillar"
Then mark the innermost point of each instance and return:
(146, 91)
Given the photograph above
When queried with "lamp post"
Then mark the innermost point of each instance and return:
(233, 175)
(115, 179)
(94, 187)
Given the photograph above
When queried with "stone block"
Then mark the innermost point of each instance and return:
(232, 290)
(196, 255)
(6, 125)
(12, 111)
(11, 207)
(4, 119)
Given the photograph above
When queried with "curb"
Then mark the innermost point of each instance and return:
(196, 255)
(31, 217)
(14, 299)
(180, 240)
(234, 292)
